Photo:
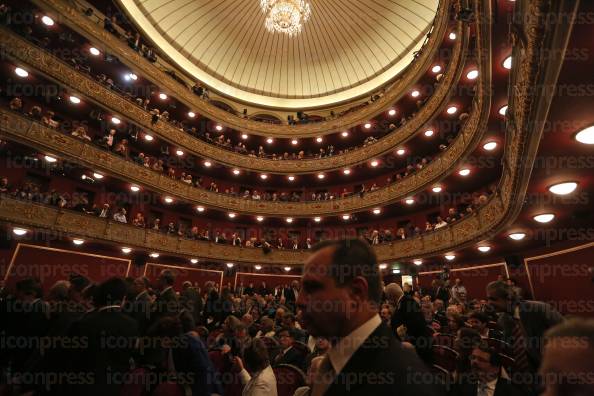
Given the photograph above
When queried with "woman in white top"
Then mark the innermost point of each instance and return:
(262, 381)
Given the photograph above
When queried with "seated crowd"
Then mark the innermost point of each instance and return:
(108, 210)
(118, 142)
(143, 337)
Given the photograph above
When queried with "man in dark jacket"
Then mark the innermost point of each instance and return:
(191, 301)
(408, 314)
(167, 303)
(340, 298)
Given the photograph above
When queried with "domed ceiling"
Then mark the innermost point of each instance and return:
(346, 49)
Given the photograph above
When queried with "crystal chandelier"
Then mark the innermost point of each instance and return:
(285, 16)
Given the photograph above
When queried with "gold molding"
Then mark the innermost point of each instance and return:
(72, 15)
(252, 273)
(185, 268)
(16, 127)
(92, 91)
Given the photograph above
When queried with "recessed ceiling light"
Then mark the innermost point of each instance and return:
(208, 164)
(194, 261)
(396, 271)
(452, 110)
(409, 201)
(319, 139)
(154, 255)
(162, 96)
(126, 250)
(367, 125)
(232, 215)
(236, 171)
(219, 128)
(450, 257)
(417, 262)
(317, 219)
(179, 152)
(191, 114)
(472, 75)
(289, 220)
(415, 93)
(345, 134)
(383, 266)
(374, 163)
(490, 146)
(400, 151)
(84, 177)
(586, 136)
(244, 136)
(544, 218)
(429, 132)
(464, 172)
(74, 99)
(291, 178)
(563, 188)
(133, 76)
(50, 159)
(260, 218)
(134, 188)
(257, 267)
(346, 217)
(230, 265)
(263, 176)
(287, 269)
(294, 142)
(346, 171)
(19, 71)
(436, 69)
(19, 231)
(392, 112)
(200, 208)
(78, 241)
(503, 110)
(436, 189)
(148, 138)
(47, 20)
(269, 140)
(484, 249)
(168, 199)
(321, 175)
(517, 236)
(115, 120)
(452, 36)
(94, 51)
(97, 175)
(377, 211)
(507, 63)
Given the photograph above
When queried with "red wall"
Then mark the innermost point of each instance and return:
(51, 265)
(195, 275)
(564, 279)
(270, 279)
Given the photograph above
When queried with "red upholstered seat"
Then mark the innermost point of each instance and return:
(288, 379)
(445, 357)
(216, 357)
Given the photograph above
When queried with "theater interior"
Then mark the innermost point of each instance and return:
(219, 141)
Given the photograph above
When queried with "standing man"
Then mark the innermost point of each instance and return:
(340, 299)
(291, 295)
(191, 301)
(167, 303)
(524, 324)
(458, 292)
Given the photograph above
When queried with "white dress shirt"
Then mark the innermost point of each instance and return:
(341, 353)
(486, 389)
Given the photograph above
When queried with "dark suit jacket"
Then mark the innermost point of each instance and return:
(112, 336)
(166, 304)
(536, 317)
(381, 367)
(409, 314)
(139, 309)
(293, 357)
(503, 388)
(192, 302)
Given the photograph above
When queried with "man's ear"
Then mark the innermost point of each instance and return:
(360, 288)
